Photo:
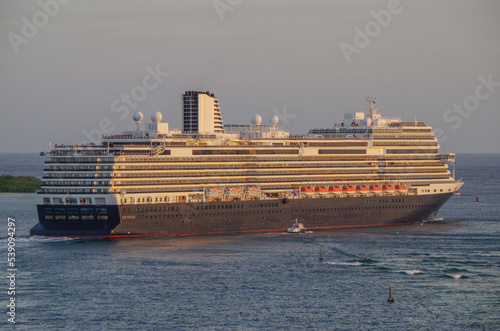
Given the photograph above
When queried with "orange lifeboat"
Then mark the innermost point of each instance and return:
(307, 190)
(321, 190)
(234, 191)
(375, 189)
(401, 189)
(214, 193)
(362, 189)
(349, 190)
(336, 190)
(388, 189)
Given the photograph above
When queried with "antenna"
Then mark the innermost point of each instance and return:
(137, 117)
(372, 105)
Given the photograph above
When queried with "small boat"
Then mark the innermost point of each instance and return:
(401, 189)
(253, 191)
(297, 228)
(335, 190)
(361, 189)
(321, 190)
(234, 191)
(375, 189)
(349, 190)
(388, 189)
(307, 190)
(214, 193)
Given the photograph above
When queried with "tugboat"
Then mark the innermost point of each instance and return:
(297, 228)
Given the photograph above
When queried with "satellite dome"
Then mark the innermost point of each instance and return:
(156, 117)
(138, 117)
(256, 120)
(274, 120)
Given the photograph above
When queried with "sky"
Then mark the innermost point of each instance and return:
(71, 69)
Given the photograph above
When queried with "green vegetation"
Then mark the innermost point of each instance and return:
(19, 184)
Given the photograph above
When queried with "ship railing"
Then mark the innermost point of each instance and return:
(157, 150)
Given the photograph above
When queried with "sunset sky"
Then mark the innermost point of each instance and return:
(69, 69)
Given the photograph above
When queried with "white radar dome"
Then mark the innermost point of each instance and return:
(156, 117)
(138, 117)
(256, 120)
(274, 120)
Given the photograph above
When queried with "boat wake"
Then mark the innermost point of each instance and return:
(409, 272)
(40, 239)
(346, 264)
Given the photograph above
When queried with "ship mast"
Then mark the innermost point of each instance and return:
(372, 106)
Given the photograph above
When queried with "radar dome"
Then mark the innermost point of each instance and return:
(274, 120)
(138, 117)
(156, 117)
(256, 120)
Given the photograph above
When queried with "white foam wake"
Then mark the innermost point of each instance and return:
(346, 264)
(410, 272)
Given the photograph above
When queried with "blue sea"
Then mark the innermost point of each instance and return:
(444, 275)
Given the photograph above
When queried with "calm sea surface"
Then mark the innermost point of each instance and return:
(445, 275)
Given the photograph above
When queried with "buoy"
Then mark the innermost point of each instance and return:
(391, 299)
(321, 254)
(477, 198)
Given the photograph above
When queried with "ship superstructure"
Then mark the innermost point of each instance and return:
(210, 178)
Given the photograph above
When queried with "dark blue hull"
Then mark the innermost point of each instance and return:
(168, 219)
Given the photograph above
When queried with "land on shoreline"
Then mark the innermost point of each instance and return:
(19, 184)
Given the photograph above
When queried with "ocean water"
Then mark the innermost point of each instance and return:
(445, 275)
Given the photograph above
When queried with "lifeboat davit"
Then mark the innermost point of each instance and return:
(335, 190)
(253, 191)
(349, 190)
(401, 189)
(214, 193)
(362, 189)
(321, 190)
(388, 189)
(375, 189)
(307, 190)
(234, 191)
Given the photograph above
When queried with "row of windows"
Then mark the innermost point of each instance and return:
(80, 168)
(408, 143)
(342, 151)
(338, 144)
(74, 190)
(277, 164)
(411, 151)
(245, 152)
(368, 208)
(76, 217)
(141, 177)
(75, 211)
(254, 212)
(291, 179)
(207, 207)
(79, 176)
(143, 209)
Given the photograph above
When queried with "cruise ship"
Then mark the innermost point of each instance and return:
(211, 178)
